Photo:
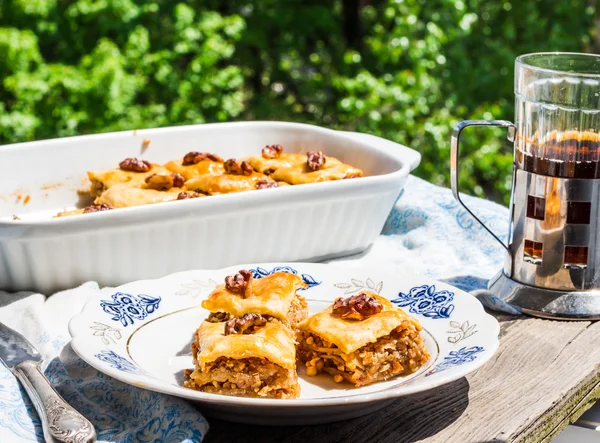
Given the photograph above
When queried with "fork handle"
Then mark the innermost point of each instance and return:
(60, 422)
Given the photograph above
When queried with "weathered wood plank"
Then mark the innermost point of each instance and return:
(544, 375)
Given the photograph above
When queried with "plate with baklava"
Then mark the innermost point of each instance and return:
(286, 343)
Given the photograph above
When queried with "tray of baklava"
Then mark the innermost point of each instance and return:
(132, 205)
(286, 343)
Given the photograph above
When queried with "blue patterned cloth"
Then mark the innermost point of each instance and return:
(427, 232)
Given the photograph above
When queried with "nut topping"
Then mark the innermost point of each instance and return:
(16, 218)
(178, 180)
(191, 158)
(272, 151)
(357, 307)
(97, 208)
(265, 184)
(185, 195)
(135, 165)
(315, 160)
(164, 182)
(233, 167)
(245, 325)
(240, 283)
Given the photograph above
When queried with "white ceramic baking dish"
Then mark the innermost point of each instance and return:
(306, 222)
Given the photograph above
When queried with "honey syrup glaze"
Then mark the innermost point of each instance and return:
(567, 154)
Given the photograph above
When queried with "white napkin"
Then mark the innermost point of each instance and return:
(119, 412)
(427, 232)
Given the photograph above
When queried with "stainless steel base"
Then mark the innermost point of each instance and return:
(560, 305)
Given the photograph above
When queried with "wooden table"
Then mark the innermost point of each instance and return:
(543, 377)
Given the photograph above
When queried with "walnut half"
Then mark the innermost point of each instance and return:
(135, 165)
(240, 283)
(233, 167)
(191, 158)
(164, 182)
(272, 151)
(357, 307)
(315, 160)
(245, 325)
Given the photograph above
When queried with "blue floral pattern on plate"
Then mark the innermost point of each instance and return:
(424, 300)
(117, 362)
(456, 358)
(127, 308)
(309, 280)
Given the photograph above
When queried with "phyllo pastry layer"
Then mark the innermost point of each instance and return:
(272, 158)
(195, 164)
(316, 167)
(361, 339)
(236, 177)
(273, 295)
(249, 356)
(125, 195)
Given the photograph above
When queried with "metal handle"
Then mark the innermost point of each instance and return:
(454, 168)
(60, 422)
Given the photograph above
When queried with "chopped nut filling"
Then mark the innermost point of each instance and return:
(265, 184)
(401, 352)
(185, 195)
(135, 165)
(357, 307)
(248, 377)
(218, 317)
(97, 208)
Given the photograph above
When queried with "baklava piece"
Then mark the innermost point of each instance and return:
(156, 188)
(246, 357)
(124, 196)
(316, 167)
(130, 170)
(236, 177)
(272, 158)
(361, 339)
(195, 164)
(271, 296)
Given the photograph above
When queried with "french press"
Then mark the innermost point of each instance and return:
(552, 264)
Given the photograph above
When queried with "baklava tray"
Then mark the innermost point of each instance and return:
(304, 222)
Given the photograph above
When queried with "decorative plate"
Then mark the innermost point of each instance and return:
(140, 333)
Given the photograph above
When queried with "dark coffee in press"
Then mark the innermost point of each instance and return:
(569, 154)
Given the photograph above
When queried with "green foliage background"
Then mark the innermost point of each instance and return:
(406, 70)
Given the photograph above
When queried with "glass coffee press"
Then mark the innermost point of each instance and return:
(552, 265)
